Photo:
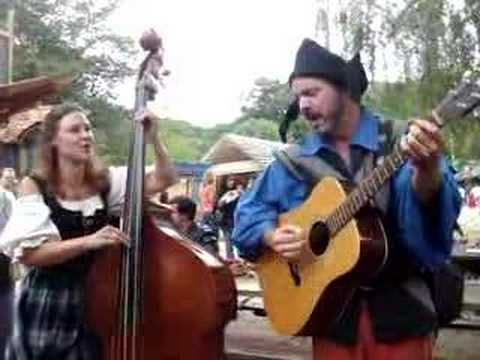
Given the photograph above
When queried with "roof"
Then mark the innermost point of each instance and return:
(20, 123)
(23, 94)
(236, 167)
(235, 148)
(191, 168)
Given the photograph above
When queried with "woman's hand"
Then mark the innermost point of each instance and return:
(106, 236)
(151, 125)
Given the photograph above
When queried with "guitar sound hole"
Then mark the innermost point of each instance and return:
(319, 238)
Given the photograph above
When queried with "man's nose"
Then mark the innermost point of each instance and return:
(303, 104)
(87, 134)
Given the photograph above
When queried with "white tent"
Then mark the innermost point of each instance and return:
(236, 154)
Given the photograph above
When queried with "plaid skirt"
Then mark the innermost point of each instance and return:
(49, 321)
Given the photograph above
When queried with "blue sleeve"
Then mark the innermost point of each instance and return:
(273, 193)
(426, 232)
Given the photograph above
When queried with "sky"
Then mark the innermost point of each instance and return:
(215, 50)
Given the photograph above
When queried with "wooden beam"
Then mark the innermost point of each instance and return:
(24, 94)
(10, 25)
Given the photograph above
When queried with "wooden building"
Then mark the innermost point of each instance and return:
(191, 175)
(21, 118)
(19, 138)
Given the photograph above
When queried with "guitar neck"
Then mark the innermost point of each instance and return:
(361, 195)
(458, 103)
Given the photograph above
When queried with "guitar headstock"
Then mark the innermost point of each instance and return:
(461, 101)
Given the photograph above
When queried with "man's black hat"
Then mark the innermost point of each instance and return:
(313, 60)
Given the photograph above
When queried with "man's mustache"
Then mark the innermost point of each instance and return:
(309, 115)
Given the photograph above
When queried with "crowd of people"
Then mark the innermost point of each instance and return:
(212, 219)
(468, 231)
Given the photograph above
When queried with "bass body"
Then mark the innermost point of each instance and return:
(188, 298)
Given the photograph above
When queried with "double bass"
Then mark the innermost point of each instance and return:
(162, 297)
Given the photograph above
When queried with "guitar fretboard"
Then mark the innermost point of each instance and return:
(360, 196)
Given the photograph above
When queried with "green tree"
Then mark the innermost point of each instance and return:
(434, 41)
(62, 36)
(71, 37)
(260, 128)
(268, 100)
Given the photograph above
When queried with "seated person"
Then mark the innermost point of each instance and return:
(183, 216)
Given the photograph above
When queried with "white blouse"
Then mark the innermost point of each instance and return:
(30, 225)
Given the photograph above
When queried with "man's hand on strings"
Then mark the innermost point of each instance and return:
(288, 241)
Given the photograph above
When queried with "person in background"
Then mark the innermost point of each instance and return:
(8, 180)
(7, 197)
(183, 215)
(226, 207)
(7, 200)
(207, 195)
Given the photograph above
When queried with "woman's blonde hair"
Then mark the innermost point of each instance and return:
(208, 178)
(96, 173)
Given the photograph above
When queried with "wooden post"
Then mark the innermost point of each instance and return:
(6, 50)
(10, 27)
(4, 41)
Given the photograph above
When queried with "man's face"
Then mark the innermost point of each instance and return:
(180, 220)
(320, 103)
(8, 178)
(230, 183)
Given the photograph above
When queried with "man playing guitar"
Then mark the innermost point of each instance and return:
(394, 318)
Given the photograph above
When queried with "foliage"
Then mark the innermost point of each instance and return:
(414, 50)
(432, 42)
(63, 36)
(71, 37)
(266, 100)
(187, 142)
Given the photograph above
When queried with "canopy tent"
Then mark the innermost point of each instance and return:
(237, 154)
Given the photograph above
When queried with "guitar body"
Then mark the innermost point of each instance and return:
(310, 304)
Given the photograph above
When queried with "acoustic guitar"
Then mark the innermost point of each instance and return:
(348, 246)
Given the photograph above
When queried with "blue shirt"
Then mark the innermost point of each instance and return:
(425, 233)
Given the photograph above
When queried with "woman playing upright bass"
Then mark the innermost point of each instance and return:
(62, 216)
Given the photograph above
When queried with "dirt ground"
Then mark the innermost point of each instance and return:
(250, 337)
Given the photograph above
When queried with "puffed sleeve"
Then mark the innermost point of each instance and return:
(28, 227)
(118, 185)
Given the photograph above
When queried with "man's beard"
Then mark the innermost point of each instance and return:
(329, 123)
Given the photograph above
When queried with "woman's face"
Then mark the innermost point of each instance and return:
(74, 138)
